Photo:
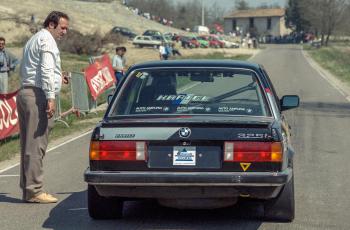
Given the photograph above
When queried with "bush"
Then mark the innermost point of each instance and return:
(113, 38)
(91, 44)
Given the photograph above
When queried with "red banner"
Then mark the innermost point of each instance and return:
(8, 115)
(100, 76)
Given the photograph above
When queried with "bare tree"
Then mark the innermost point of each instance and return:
(324, 15)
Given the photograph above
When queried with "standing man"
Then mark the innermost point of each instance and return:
(7, 63)
(41, 80)
(119, 63)
(163, 54)
(176, 48)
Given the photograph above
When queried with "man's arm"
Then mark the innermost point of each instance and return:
(47, 67)
(12, 61)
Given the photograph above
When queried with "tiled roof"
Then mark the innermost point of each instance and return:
(255, 13)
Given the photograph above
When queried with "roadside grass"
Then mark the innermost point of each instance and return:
(335, 58)
(11, 146)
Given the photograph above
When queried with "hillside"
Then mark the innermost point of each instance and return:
(86, 17)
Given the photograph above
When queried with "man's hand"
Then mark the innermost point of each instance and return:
(65, 77)
(51, 106)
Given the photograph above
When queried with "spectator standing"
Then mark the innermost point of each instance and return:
(176, 48)
(250, 42)
(7, 63)
(41, 80)
(163, 55)
(119, 63)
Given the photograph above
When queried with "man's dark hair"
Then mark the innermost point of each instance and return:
(122, 48)
(2, 39)
(54, 17)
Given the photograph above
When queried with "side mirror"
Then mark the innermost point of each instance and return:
(109, 98)
(289, 102)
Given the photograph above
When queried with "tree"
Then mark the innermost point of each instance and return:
(266, 6)
(294, 16)
(325, 15)
(241, 5)
(215, 14)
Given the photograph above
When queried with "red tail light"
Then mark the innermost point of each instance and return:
(117, 150)
(253, 151)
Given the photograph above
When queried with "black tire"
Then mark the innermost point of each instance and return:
(281, 208)
(102, 208)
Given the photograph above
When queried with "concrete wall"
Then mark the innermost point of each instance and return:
(277, 26)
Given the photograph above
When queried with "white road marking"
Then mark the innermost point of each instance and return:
(51, 149)
(9, 175)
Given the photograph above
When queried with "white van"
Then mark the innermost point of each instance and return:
(201, 29)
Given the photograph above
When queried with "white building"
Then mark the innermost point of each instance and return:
(257, 22)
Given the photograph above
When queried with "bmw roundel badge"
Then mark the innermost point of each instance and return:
(185, 132)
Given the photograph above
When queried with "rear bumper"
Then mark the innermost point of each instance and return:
(177, 185)
(176, 179)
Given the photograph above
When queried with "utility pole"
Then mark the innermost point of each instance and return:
(203, 24)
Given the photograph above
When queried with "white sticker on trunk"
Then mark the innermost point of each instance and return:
(185, 156)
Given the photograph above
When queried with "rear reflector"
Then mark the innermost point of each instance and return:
(117, 150)
(253, 151)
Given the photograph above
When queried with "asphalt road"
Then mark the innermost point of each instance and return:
(321, 130)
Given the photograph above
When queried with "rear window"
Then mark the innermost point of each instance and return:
(191, 91)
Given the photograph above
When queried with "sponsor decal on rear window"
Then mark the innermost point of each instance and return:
(145, 109)
(183, 99)
(181, 109)
(228, 109)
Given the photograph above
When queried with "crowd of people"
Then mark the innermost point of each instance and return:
(149, 16)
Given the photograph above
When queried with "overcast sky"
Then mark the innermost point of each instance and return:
(229, 4)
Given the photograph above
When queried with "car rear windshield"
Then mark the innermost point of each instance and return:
(195, 91)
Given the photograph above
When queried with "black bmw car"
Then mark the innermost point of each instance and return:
(124, 32)
(193, 134)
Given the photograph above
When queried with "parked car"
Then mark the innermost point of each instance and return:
(124, 32)
(152, 33)
(193, 134)
(201, 29)
(162, 38)
(214, 42)
(195, 42)
(146, 41)
(228, 44)
(187, 42)
(203, 43)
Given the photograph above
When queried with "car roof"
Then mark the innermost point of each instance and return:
(225, 63)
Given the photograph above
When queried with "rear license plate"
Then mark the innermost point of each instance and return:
(184, 155)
